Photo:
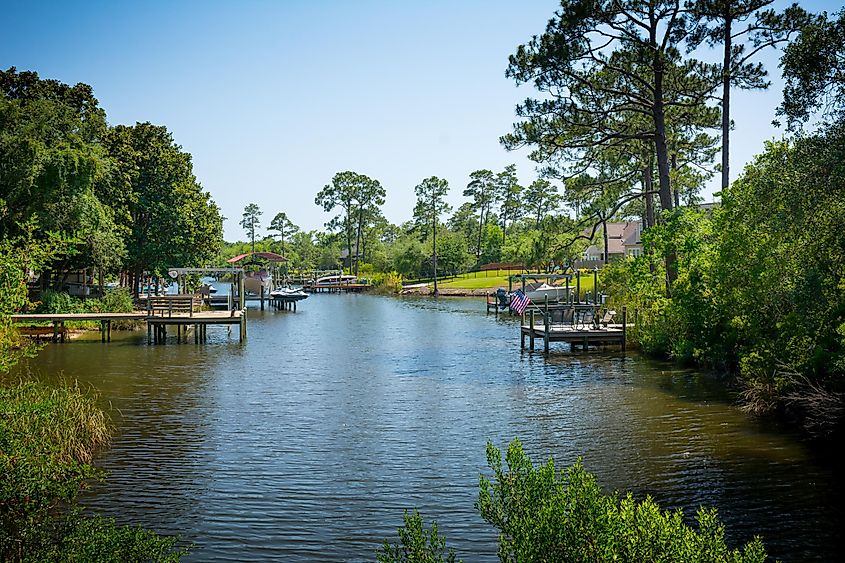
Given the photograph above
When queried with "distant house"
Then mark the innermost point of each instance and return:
(623, 239)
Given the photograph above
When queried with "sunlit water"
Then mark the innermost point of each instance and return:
(309, 441)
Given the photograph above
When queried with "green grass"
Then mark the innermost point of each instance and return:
(495, 279)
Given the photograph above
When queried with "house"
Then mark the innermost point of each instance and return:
(623, 239)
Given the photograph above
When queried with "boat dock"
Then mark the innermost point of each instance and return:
(156, 325)
(339, 287)
(575, 333)
(59, 332)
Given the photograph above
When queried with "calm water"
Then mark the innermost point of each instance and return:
(307, 443)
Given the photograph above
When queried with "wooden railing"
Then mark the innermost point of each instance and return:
(169, 304)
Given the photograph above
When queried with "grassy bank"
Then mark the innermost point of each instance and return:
(48, 439)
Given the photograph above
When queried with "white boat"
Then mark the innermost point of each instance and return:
(539, 293)
(288, 294)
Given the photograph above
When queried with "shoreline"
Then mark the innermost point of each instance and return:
(449, 291)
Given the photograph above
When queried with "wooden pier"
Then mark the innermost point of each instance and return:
(58, 321)
(584, 334)
(199, 322)
(156, 324)
(336, 287)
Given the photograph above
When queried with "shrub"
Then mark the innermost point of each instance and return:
(117, 300)
(546, 515)
(48, 436)
(387, 283)
(416, 544)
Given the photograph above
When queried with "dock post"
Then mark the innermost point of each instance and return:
(596, 284)
(546, 329)
(102, 331)
(108, 335)
(149, 333)
(241, 294)
(577, 286)
(531, 330)
(624, 327)
(242, 331)
(262, 296)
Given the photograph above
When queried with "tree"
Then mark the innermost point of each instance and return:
(814, 69)
(356, 195)
(370, 197)
(507, 190)
(610, 71)
(251, 221)
(540, 198)
(480, 189)
(726, 22)
(284, 226)
(430, 205)
(166, 217)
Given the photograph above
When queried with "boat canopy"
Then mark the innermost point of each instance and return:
(269, 256)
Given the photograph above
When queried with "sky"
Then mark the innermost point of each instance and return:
(272, 98)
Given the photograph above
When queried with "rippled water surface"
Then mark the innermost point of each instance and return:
(307, 443)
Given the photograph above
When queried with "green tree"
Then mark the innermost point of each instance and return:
(481, 189)
(284, 226)
(251, 221)
(507, 190)
(540, 198)
(356, 195)
(166, 217)
(430, 205)
(814, 69)
(726, 23)
(610, 73)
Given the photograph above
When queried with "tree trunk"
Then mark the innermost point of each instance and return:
(665, 185)
(480, 233)
(604, 235)
(726, 106)
(434, 248)
(357, 243)
(348, 231)
(675, 190)
(648, 185)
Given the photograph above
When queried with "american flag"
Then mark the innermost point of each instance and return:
(519, 301)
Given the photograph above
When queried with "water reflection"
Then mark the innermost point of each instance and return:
(309, 441)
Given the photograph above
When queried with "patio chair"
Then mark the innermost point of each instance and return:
(587, 319)
(607, 318)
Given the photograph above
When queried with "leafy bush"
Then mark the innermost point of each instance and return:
(416, 544)
(546, 515)
(387, 283)
(48, 436)
(117, 300)
(100, 540)
(60, 302)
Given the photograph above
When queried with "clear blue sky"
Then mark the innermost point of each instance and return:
(273, 98)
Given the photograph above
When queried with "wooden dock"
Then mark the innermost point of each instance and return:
(58, 321)
(584, 335)
(336, 287)
(156, 324)
(199, 322)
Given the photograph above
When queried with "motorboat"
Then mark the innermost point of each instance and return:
(288, 294)
(539, 293)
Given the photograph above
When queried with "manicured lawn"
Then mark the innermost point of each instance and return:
(494, 279)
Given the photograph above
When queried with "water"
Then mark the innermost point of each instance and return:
(308, 442)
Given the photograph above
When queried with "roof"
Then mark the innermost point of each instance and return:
(269, 256)
(631, 233)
